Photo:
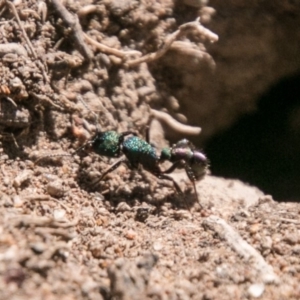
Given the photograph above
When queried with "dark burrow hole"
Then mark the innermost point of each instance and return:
(263, 148)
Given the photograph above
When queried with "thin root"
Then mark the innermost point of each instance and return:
(108, 50)
(73, 23)
(30, 46)
(47, 198)
(44, 98)
(244, 249)
(28, 220)
(175, 125)
(183, 29)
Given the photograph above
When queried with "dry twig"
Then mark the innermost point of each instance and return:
(73, 23)
(175, 125)
(43, 98)
(196, 26)
(108, 50)
(13, 8)
(28, 220)
(34, 198)
(65, 234)
(30, 46)
(238, 244)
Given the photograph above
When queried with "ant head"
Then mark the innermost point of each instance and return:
(199, 164)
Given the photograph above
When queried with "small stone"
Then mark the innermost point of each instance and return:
(59, 214)
(291, 238)
(55, 188)
(256, 290)
(122, 207)
(18, 202)
(130, 235)
(21, 178)
(157, 246)
(254, 228)
(38, 247)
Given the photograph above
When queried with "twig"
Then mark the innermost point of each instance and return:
(55, 231)
(175, 125)
(286, 220)
(43, 98)
(11, 101)
(42, 66)
(47, 198)
(238, 244)
(185, 48)
(73, 23)
(201, 30)
(108, 50)
(27, 220)
(88, 9)
(13, 8)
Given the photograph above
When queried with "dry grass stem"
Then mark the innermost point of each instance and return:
(73, 23)
(238, 244)
(183, 29)
(175, 125)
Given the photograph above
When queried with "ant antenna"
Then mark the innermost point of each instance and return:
(79, 97)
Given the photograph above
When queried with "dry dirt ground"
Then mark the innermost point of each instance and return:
(131, 237)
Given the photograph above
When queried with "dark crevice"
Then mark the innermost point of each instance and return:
(263, 149)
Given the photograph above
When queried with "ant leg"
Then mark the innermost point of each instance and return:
(189, 173)
(191, 176)
(194, 184)
(178, 189)
(108, 170)
(176, 165)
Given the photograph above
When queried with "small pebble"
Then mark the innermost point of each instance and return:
(18, 202)
(55, 188)
(254, 228)
(256, 290)
(157, 246)
(130, 235)
(38, 247)
(6, 181)
(291, 238)
(123, 206)
(21, 178)
(59, 214)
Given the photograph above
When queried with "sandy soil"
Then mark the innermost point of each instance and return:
(132, 237)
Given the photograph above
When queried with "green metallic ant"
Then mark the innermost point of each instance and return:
(139, 152)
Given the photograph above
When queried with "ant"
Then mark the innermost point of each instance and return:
(139, 152)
